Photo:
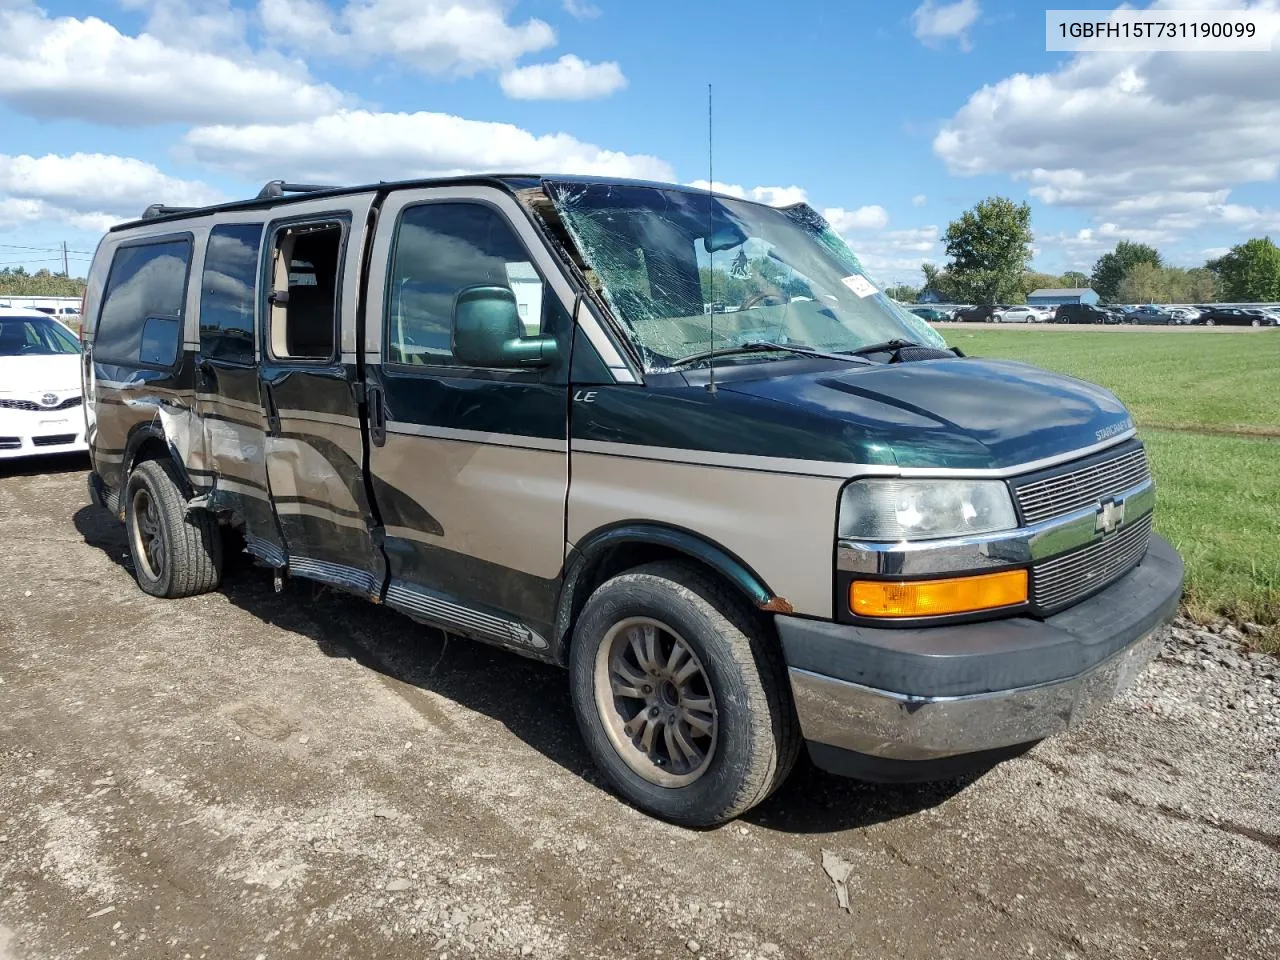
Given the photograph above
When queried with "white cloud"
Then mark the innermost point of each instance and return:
(207, 24)
(1152, 141)
(581, 10)
(774, 196)
(894, 256)
(933, 23)
(454, 37)
(569, 78)
(90, 191)
(919, 200)
(361, 146)
(872, 217)
(86, 69)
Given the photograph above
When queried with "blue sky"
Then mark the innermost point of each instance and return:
(891, 117)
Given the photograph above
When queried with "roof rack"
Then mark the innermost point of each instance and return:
(160, 210)
(278, 188)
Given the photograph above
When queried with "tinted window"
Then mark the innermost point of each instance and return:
(34, 338)
(146, 280)
(227, 292)
(440, 249)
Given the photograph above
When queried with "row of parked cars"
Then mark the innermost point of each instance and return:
(1204, 314)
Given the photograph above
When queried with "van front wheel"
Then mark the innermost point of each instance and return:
(175, 553)
(680, 696)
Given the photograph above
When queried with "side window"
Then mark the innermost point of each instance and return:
(306, 262)
(440, 249)
(141, 318)
(227, 292)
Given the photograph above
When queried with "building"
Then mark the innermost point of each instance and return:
(1053, 296)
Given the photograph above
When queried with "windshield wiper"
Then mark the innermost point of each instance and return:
(761, 346)
(883, 347)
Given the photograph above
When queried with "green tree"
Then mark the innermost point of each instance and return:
(1031, 280)
(1075, 279)
(902, 293)
(1112, 267)
(1202, 286)
(1249, 272)
(16, 282)
(1144, 283)
(989, 247)
(939, 281)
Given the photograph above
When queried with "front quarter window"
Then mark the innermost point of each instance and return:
(687, 273)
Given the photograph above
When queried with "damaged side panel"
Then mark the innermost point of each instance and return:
(228, 396)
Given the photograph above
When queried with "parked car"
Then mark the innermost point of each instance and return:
(982, 313)
(1184, 315)
(1237, 316)
(1084, 313)
(930, 313)
(1019, 314)
(736, 546)
(1149, 313)
(40, 397)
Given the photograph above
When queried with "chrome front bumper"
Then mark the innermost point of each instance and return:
(924, 693)
(896, 726)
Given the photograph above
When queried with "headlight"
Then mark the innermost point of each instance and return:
(924, 509)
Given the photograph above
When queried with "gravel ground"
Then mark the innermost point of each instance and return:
(255, 775)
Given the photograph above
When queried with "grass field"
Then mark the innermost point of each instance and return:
(1208, 407)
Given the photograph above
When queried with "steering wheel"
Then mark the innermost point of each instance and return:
(762, 296)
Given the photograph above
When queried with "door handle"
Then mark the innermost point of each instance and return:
(377, 416)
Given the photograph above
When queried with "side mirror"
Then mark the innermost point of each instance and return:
(487, 331)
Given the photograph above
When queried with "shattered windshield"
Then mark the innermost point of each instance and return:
(676, 266)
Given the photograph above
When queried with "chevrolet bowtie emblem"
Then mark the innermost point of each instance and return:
(1109, 517)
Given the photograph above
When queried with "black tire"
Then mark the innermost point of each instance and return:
(757, 735)
(1211, 322)
(188, 559)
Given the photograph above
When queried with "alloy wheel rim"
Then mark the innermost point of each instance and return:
(654, 697)
(148, 539)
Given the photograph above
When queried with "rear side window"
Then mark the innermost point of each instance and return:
(227, 292)
(147, 286)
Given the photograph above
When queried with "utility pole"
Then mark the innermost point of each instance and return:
(66, 270)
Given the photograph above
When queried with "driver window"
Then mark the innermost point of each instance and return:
(440, 249)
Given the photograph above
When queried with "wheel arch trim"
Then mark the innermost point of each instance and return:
(591, 550)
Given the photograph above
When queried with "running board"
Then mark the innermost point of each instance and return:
(454, 617)
(348, 578)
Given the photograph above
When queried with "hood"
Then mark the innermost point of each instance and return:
(56, 373)
(966, 413)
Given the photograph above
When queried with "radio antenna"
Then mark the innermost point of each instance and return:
(711, 253)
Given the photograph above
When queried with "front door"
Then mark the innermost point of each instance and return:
(469, 465)
(310, 380)
(228, 398)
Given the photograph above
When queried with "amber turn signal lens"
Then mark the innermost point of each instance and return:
(932, 598)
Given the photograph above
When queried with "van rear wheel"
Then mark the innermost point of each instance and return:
(175, 553)
(681, 696)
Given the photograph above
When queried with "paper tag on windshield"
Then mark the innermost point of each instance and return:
(859, 285)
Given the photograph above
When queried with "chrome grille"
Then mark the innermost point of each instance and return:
(32, 405)
(1065, 492)
(1065, 579)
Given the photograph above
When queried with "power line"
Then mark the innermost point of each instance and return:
(58, 250)
(18, 246)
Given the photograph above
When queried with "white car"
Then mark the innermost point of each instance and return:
(41, 404)
(1019, 315)
(1184, 314)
